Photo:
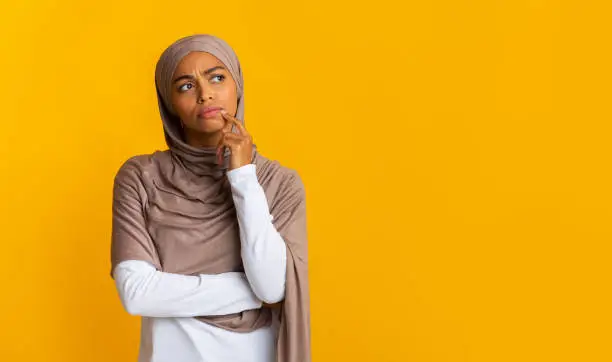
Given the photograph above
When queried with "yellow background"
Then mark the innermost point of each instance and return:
(456, 156)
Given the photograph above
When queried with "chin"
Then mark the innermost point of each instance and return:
(210, 125)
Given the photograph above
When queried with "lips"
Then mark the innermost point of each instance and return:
(209, 112)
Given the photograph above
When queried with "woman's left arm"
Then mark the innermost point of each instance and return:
(264, 253)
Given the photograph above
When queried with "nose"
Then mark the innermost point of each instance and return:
(205, 92)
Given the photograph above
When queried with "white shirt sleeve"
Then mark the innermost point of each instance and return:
(145, 291)
(264, 253)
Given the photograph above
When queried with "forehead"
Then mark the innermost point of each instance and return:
(196, 61)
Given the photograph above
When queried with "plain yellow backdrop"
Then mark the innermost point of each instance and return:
(456, 156)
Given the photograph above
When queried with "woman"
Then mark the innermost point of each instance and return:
(209, 239)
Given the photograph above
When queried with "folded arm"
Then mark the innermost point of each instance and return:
(148, 292)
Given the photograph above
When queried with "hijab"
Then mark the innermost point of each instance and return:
(174, 209)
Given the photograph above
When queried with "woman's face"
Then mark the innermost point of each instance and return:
(201, 82)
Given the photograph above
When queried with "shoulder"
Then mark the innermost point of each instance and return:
(134, 168)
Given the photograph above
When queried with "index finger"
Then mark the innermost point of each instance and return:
(227, 127)
(241, 129)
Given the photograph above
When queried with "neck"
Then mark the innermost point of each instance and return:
(202, 140)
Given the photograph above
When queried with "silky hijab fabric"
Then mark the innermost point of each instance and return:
(174, 209)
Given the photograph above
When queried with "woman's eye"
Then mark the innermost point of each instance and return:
(184, 87)
(218, 76)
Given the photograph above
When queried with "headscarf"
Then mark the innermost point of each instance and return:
(174, 209)
(201, 160)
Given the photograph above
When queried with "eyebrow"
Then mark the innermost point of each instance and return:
(189, 76)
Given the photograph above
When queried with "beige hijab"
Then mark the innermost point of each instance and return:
(174, 209)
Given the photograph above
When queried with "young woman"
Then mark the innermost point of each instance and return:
(209, 240)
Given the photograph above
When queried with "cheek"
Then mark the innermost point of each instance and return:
(182, 105)
(230, 97)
